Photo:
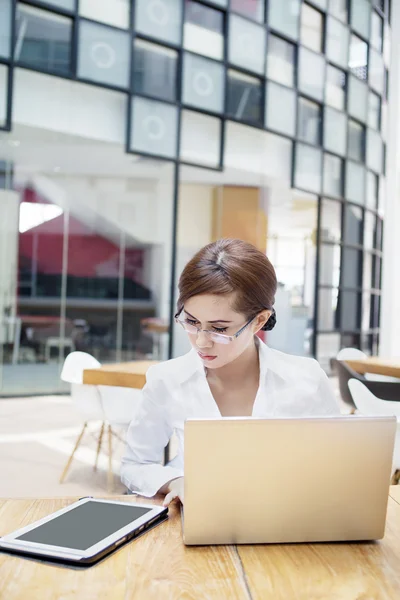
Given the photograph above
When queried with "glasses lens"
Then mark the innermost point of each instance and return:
(188, 328)
(220, 338)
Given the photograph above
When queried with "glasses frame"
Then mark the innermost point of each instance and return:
(229, 338)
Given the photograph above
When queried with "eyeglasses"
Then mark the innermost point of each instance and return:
(218, 338)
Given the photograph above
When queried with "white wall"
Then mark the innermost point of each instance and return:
(9, 214)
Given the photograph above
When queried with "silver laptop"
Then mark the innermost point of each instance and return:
(251, 480)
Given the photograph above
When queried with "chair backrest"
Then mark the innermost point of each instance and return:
(345, 373)
(368, 404)
(75, 364)
(349, 353)
(119, 404)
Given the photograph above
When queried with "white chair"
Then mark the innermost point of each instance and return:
(113, 406)
(354, 354)
(368, 404)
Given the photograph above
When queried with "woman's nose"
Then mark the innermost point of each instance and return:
(203, 340)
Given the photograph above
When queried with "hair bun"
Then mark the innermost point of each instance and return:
(270, 324)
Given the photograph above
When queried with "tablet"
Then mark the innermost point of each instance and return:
(85, 531)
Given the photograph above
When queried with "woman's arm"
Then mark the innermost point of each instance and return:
(148, 434)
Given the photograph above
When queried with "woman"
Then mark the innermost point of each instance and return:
(226, 296)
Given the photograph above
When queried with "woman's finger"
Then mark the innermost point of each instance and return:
(168, 498)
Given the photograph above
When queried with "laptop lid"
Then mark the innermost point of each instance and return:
(251, 480)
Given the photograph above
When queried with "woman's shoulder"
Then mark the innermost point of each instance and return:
(292, 365)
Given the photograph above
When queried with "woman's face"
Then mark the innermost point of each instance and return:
(215, 313)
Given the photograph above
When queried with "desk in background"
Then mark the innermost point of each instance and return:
(377, 365)
(158, 565)
(129, 374)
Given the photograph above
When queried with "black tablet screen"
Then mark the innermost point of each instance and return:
(85, 525)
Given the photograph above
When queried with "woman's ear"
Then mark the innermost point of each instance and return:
(261, 319)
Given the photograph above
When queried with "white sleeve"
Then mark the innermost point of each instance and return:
(326, 400)
(148, 434)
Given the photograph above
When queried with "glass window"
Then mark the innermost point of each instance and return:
(377, 31)
(338, 8)
(369, 230)
(328, 315)
(329, 265)
(335, 131)
(281, 109)
(244, 97)
(353, 225)
(311, 74)
(203, 83)
(379, 234)
(112, 12)
(374, 151)
(381, 196)
(104, 54)
(200, 139)
(246, 44)
(3, 95)
(67, 4)
(358, 58)
(333, 176)
(355, 182)
(223, 3)
(155, 70)
(308, 171)
(376, 71)
(372, 190)
(161, 19)
(360, 16)
(335, 91)
(374, 110)
(154, 127)
(337, 42)
(252, 9)
(331, 221)
(328, 345)
(366, 310)
(203, 30)
(281, 60)
(376, 309)
(358, 98)
(320, 3)
(312, 27)
(5, 28)
(351, 267)
(356, 141)
(309, 121)
(284, 17)
(350, 307)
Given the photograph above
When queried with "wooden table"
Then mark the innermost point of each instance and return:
(129, 374)
(375, 364)
(158, 566)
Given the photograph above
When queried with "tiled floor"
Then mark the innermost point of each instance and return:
(37, 436)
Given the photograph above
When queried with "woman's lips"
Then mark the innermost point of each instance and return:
(205, 356)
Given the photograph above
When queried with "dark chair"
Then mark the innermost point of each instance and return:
(384, 390)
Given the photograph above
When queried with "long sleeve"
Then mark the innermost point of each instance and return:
(327, 403)
(148, 434)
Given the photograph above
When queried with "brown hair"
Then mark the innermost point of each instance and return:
(227, 266)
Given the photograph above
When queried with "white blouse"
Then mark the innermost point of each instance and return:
(290, 386)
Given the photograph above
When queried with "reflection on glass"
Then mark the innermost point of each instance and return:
(200, 139)
(3, 95)
(329, 265)
(67, 4)
(203, 83)
(281, 109)
(356, 140)
(244, 97)
(350, 310)
(374, 151)
(377, 31)
(335, 131)
(355, 182)
(377, 284)
(103, 54)
(376, 309)
(358, 58)
(372, 190)
(369, 230)
(358, 98)
(376, 71)
(335, 91)
(161, 19)
(366, 311)
(333, 175)
(43, 40)
(331, 221)
(360, 16)
(252, 9)
(247, 44)
(379, 233)
(311, 73)
(280, 60)
(374, 110)
(338, 8)
(112, 12)
(284, 17)
(353, 224)
(309, 121)
(312, 25)
(5, 28)
(308, 168)
(328, 314)
(155, 70)
(351, 268)
(203, 30)
(154, 127)
(337, 42)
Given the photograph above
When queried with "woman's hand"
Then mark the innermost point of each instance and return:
(174, 491)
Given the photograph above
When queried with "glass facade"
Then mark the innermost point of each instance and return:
(131, 134)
